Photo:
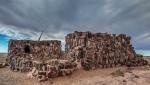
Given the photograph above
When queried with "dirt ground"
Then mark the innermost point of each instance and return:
(2, 58)
(136, 76)
(15, 78)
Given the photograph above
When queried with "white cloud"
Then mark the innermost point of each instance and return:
(16, 33)
(143, 38)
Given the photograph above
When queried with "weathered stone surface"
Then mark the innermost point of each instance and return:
(52, 68)
(2, 65)
(44, 59)
(22, 52)
(102, 50)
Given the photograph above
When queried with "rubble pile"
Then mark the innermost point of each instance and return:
(21, 53)
(138, 61)
(21, 64)
(102, 50)
(52, 68)
(2, 65)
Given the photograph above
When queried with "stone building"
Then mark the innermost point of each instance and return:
(102, 50)
(89, 50)
(35, 50)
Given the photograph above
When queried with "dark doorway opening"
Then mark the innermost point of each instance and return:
(27, 49)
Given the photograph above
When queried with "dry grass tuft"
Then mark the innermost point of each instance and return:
(117, 73)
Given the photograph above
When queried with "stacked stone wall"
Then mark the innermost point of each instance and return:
(21, 53)
(102, 50)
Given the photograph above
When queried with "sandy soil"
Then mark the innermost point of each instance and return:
(138, 76)
(15, 78)
(2, 59)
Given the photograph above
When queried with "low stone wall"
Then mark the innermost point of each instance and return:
(52, 68)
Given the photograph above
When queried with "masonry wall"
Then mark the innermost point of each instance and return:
(36, 50)
(102, 49)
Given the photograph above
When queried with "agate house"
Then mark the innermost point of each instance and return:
(34, 49)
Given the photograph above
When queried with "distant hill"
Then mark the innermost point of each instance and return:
(146, 56)
(3, 54)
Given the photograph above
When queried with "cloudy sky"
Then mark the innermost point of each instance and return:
(25, 19)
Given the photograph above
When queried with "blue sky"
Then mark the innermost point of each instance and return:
(3, 43)
(25, 19)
